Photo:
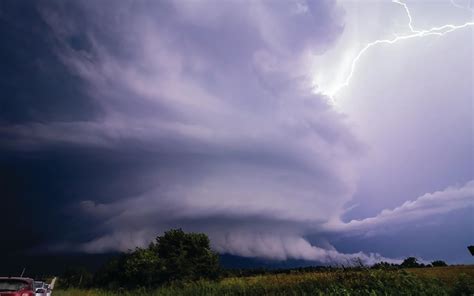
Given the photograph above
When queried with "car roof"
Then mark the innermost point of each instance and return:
(26, 280)
(15, 278)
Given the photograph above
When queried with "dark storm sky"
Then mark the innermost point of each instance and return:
(120, 121)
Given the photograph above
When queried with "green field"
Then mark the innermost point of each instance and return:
(452, 280)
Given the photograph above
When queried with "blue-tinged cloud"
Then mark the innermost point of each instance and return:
(205, 118)
(430, 204)
(220, 94)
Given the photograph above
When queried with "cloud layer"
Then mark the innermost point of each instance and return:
(220, 94)
(204, 117)
(430, 204)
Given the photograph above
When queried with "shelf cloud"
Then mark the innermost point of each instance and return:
(200, 115)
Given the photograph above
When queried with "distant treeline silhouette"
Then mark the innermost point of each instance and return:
(180, 256)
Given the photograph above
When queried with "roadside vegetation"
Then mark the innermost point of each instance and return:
(180, 263)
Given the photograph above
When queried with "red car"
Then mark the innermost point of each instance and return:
(17, 286)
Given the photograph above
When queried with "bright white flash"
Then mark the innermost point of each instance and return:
(414, 33)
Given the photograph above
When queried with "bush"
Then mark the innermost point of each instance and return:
(174, 256)
(439, 263)
(410, 262)
(111, 275)
(75, 278)
(385, 265)
(464, 286)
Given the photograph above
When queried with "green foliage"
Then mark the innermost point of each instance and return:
(410, 262)
(385, 265)
(75, 278)
(111, 275)
(331, 282)
(174, 256)
(439, 263)
(464, 286)
(142, 267)
(186, 256)
(180, 263)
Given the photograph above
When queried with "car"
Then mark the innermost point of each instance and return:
(17, 286)
(40, 288)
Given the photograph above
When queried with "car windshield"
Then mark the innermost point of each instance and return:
(12, 285)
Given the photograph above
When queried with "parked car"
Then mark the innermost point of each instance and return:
(40, 288)
(48, 290)
(17, 286)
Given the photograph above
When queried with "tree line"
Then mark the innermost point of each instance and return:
(180, 256)
(174, 256)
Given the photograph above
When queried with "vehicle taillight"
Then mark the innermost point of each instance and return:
(26, 294)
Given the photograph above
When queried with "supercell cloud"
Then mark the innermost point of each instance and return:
(202, 115)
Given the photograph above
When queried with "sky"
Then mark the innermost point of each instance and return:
(285, 130)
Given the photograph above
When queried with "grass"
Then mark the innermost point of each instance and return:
(448, 274)
(453, 280)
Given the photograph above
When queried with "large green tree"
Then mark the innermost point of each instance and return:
(185, 256)
(174, 256)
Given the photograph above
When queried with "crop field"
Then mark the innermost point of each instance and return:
(448, 274)
(452, 280)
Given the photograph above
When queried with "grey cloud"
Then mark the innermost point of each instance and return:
(430, 204)
(280, 247)
(226, 86)
(215, 104)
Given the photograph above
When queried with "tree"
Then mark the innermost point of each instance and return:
(185, 256)
(174, 256)
(142, 267)
(111, 275)
(384, 265)
(75, 278)
(410, 262)
(439, 263)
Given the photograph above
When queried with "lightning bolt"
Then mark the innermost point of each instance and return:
(434, 31)
(410, 20)
(460, 6)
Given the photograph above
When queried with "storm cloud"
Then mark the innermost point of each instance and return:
(200, 115)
